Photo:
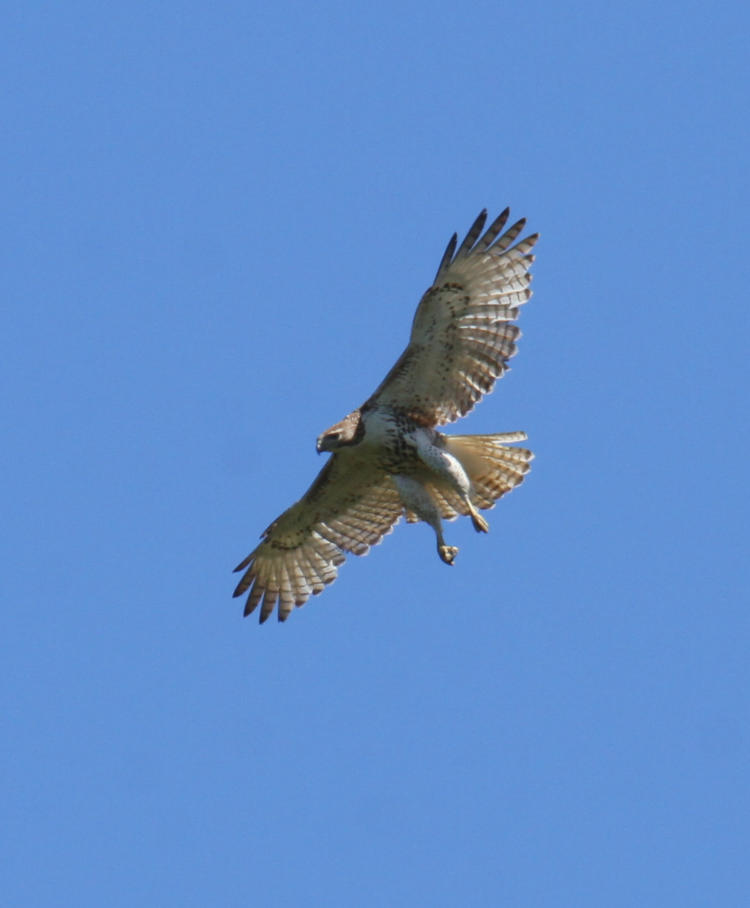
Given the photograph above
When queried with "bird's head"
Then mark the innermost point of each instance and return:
(347, 432)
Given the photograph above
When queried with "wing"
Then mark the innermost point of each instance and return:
(463, 333)
(350, 507)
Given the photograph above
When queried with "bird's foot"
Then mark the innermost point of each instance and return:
(447, 553)
(480, 524)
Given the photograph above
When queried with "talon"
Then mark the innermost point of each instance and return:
(448, 553)
(480, 524)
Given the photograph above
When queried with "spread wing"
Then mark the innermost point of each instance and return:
(463, 333)
(351, 505)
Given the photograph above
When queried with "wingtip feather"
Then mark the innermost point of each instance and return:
(243, 564)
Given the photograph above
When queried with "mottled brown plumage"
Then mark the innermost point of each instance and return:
(388, 457)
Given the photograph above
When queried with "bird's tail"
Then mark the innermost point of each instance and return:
(493, 466)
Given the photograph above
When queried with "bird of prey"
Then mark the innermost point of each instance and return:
(388, 458)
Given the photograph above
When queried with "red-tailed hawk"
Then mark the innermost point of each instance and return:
(387, 456)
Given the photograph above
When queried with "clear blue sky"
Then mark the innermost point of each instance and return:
(217, 221)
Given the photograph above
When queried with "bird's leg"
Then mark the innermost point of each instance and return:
(417, 499)
(477, 521)
(447, 553)
(451, 471)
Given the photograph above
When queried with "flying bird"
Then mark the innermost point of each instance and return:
(388, 457)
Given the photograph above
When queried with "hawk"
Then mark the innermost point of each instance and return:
(388, 457)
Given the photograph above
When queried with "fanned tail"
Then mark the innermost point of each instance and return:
(493, 466)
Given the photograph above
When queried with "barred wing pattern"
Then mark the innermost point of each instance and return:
(351, 505)
(462, 335)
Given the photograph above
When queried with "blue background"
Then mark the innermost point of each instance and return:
(218, 220)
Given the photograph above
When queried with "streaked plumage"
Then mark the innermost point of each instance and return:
(388, 458)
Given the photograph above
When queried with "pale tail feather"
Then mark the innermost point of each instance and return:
(492, 465)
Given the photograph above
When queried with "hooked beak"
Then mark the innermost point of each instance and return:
(326, 442)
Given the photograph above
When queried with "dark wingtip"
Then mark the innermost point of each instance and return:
(473, 235)
(244, 563)
(447, 255)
